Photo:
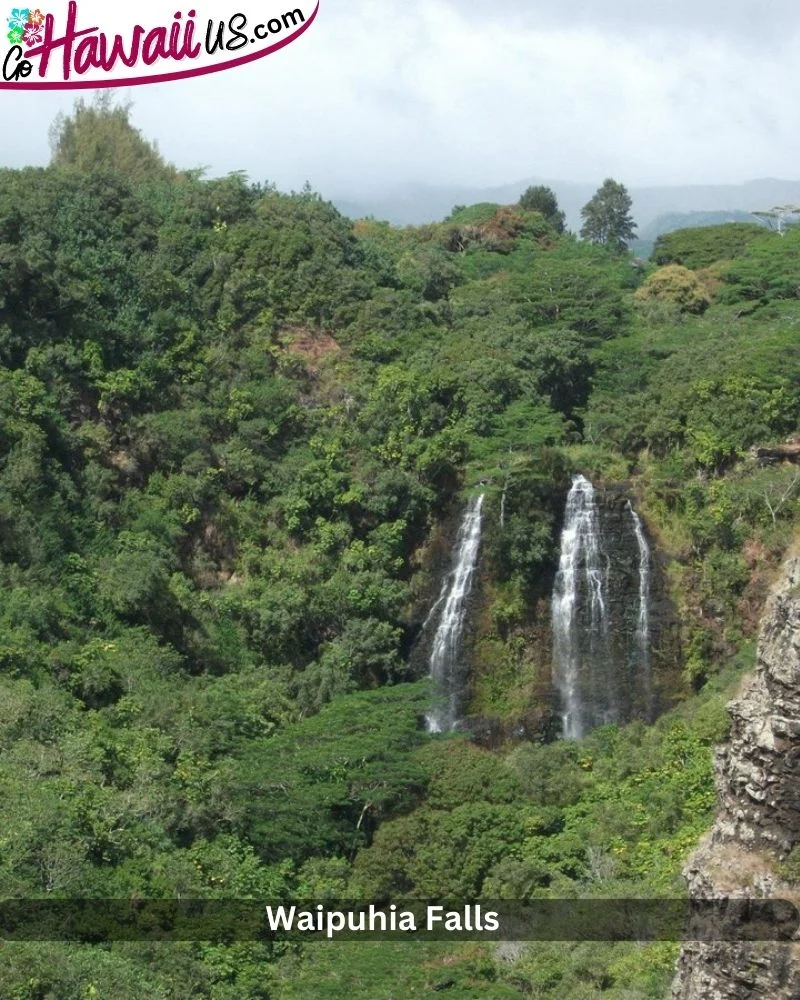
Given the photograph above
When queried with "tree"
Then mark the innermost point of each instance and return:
(779, 217)
(542, 199)
(606, 217)
(100, 136)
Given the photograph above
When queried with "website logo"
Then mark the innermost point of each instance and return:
(93, 45)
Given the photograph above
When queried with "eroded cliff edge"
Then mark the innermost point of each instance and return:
(758, 816)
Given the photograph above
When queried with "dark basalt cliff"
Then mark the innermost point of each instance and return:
(758, 818)
(640, 691)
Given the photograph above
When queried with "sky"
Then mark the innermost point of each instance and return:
(379, 93)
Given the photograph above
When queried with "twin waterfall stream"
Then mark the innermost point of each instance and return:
(601, 665)
(587, 672)
(643, 618)
(446, 667)
(581, 585)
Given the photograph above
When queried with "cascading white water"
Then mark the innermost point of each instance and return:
(583, 569)
(642, 634)
(445, 654)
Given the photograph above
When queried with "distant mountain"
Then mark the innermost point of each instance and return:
(668, 223)
(671, 221)
(414, 204)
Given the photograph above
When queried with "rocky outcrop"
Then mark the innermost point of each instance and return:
(758, 819)
(778, 453)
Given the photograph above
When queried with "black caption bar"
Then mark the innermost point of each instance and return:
(100, 920)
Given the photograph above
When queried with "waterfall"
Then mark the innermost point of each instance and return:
(580, 626)
(601, 612)
(642, 634)
(445, 668)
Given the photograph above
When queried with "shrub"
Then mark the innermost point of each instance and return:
(704, 245)
(675, 285)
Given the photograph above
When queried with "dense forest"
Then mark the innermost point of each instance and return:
(236, 432)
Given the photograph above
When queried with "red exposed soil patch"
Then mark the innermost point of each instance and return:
(312, 345)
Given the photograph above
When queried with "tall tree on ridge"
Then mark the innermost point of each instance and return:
(606, 217)
(540, 198)
(99, 136)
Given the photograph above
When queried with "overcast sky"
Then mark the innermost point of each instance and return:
(481, 92)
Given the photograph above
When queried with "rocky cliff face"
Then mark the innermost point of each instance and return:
(758, 819)
(638, 693)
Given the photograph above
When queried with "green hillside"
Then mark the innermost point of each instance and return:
(235, 429)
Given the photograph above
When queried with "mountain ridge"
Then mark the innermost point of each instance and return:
(415, 203)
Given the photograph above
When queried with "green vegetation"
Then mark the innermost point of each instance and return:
(606, 217)
(99, 136)
(542, 199)
(676, 286)
(235, 429)
(702, 246)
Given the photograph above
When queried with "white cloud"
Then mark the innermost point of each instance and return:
(442, 91)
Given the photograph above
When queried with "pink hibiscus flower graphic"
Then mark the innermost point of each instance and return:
(33, 34)
(36, 17)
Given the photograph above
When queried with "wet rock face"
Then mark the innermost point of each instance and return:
(622, 681)
(758, 819)
(629, 678)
